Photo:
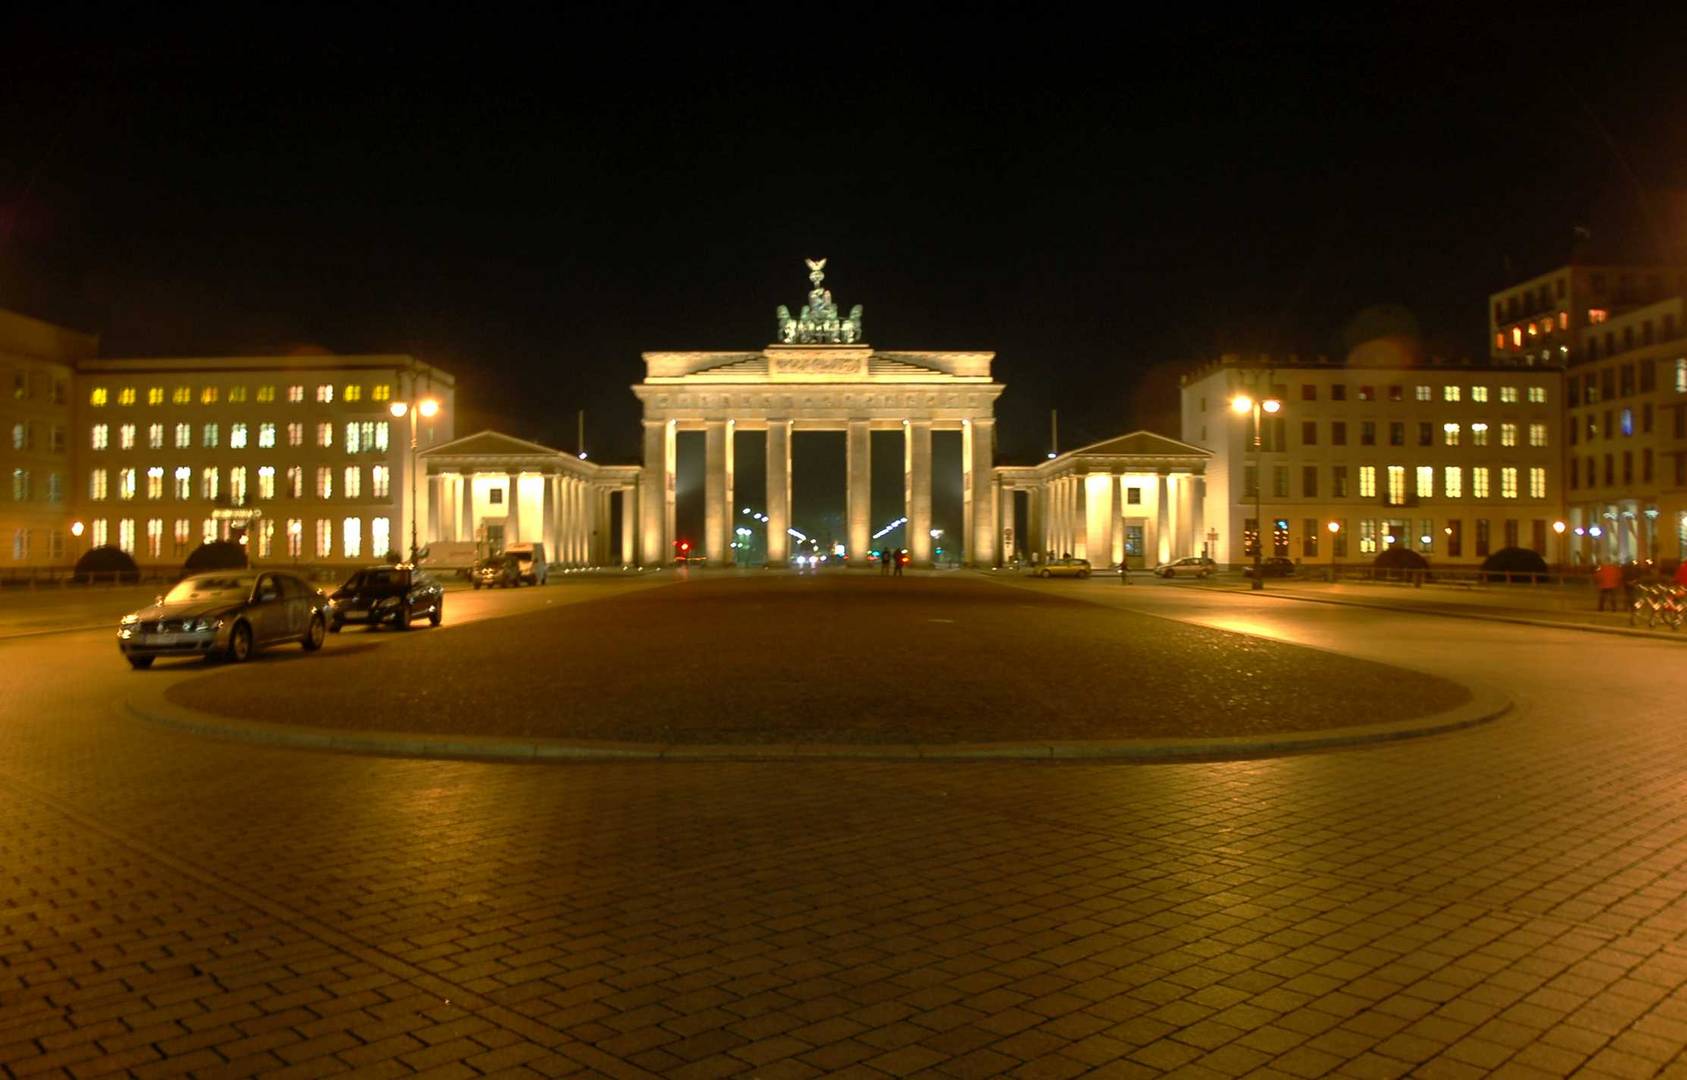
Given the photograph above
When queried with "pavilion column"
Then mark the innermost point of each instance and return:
(1162, 514)
(1080, 517)
(1186, 542)
(716, 462)
(980, 463)
(859, 526)
(1116, 487)
(1064, 547)
(656, 494)
(1034, 541)
(1056, 517)
(548, 515)
(577, 524)
(1102, 541)
(917, 487)
(436, 496)
(512, 508)
(465, 506)
(1006, 542)
(629, 514)
(778, 492)
(600, 530)
(1198, 514)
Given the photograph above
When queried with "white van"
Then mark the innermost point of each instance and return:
(532, 560)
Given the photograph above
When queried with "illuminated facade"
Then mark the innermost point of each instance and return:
(1453, 461)
(37, 376)
(1542, 321)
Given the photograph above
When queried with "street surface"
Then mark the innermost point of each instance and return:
(1509, 898)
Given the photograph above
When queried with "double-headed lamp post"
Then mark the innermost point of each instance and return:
(1563, 557)
(428, 407)
(1242, 405)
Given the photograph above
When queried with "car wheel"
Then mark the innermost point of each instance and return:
(437, 613)
(1045, 574)
(240, 643)
(315, 634)
(401, 621)
(140, 663)
(336, 626)
(1083, 573)
(477, 586)
(1169, 574)
(1202, 575)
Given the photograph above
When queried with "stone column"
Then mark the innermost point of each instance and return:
(577, 523)
(917, 473)
(1080, 503)
(465, 506)
(1198, 516)
(600, 556)
(1116, 487)
(1007, 537)
(1162, 514)
(1102, 542)
(716, 461)
(1035, 541)
(656, 493)
(547, 516)
(629, 515)
(778, 492)
(981, 463)
(860, 498)
(1187, 543)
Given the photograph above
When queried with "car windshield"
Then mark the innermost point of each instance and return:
(376, 579)
(210, 587)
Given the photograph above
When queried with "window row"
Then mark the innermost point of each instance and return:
(1620, 422)
(1619, 380)
(26, 542)
(25, 488)
(271, 539)
(1609, 344)
(360, 437)
(1617, 469)
(39, 386)
(27, 435)
(1403, 484)
(1422, 431)
(1373, 535)
(101, 396)
(1506, 395)
(180, 483)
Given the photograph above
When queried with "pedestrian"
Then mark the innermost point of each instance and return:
(1124, 572)
(884, 562)
(897, 556)
(1608, 578)
(1681, 573)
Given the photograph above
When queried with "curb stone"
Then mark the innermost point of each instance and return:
(1486, 704)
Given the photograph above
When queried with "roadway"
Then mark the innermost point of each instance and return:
(1513, 896)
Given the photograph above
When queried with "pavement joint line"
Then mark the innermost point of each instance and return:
(533, 1030)
(13, 635)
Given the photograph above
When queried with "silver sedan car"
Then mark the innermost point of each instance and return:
(1067, 567)
(230, 613)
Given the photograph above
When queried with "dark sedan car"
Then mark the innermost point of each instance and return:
(1275, 566)
(395, 594)
(498, 572)
(230, 613)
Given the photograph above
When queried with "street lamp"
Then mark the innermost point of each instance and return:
(1563, 556)
(428, 407)
(1242, 405)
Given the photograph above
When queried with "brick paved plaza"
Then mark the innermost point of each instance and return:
(1507, 898)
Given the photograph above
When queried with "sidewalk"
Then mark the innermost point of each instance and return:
(1544, 605)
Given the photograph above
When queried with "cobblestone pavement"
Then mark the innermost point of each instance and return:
(1506, 899)
(831, 659)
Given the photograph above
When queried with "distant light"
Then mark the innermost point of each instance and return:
(76, 528)
(1051, 455)
(1271, 404)
(1558, 527)
(1580, 531)
(1596, 531)
(747, 510)
(430, 407)
(398, 408)
(1425, 539)
(1335, 526)
(1241, 403)
(582, 455)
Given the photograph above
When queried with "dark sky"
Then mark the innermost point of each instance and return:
(530, 203)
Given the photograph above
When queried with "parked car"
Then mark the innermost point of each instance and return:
(396, 594)
(229, 613)
(1062, 568)
(498, 572)
(1197, 566)
(1275, 566)
(532, 559)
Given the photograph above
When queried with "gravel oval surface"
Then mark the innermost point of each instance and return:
(827, 659)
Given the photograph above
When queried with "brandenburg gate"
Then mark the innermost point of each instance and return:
(818, 376)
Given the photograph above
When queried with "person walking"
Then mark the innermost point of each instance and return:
(885, 555)
(1681, 574)
(1608, 578)
(1124, 572)
(897, 557)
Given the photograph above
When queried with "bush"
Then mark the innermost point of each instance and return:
(104, 565)
(1514, 563)
(217, 555)
(1397, 563)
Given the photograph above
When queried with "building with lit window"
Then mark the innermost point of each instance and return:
(36, 383)
(1626, 436)
(1452, 460)
(305, 459)
(1543, 321)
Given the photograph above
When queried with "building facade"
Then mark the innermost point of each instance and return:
(1454, 461)
(37, 376)
(1544, 320)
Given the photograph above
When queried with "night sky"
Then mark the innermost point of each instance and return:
(531, 204)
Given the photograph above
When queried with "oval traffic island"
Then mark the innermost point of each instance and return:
(779, 666)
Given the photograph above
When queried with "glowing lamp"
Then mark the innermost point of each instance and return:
(1558, 527)
(430, 407)
(76, 528)
(398, 408)
(1596, 531)
(1271, 404)
(1335, 527)
(1241, 403)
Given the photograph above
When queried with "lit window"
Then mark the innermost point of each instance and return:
(208, 395)
(126, 396)
(237, 436)
(126, 535)
(97, 535)
(266, 481)
(208, 530)
(1537, 434)
(1499, 341)
(1508, 434)
(381, 436)
(208, 436)
(380, 537)
(181, 395)
(1680, 376)
(295, 538)
(324, 538)
(1426, 481)
(126, 437)
(354, 482)
(295, 394)
(1628, 421)
(1508, 395)
(1532, 330)
(1517, 337)
(184, 482)
(180, 534)
(184, 436)
(266, 538)
(382, 392)
(97, 485)
(1595, 316)
(1367, 481)
(1449, 393)
(266, 394)
(324, 482)
(1479, 482)
(1479, 393)
(1425, 393)
(237, 395)
(155, 436)
(1397, 485)
(353, 531)
(266, 435)
(237, 485)
(1537, 482)
(155, 482)
(295, 434)
(1452, 482)
(1450, 434)
(352, 393)
(325, 434)
(1508, 483)
(155, 538)
(1563, 320)
(101, 436)
(155, 395)
(210, 482)
(380, 477)
(325, 393)
(352, 441)
(97, 396)
(125, 484)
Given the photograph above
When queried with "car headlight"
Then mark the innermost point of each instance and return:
(129, 620)
(199, 626)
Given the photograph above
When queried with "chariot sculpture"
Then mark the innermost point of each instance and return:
(819, 322)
